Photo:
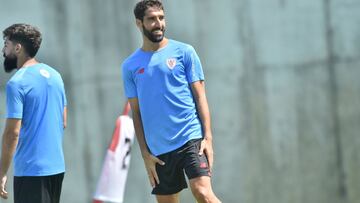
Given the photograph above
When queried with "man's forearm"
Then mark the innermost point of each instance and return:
(202, 107)
(204, 113)
(139, 132)
(9, 143)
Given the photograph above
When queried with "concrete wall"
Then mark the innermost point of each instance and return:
(282, 83)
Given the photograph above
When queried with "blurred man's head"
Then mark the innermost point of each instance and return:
(20, 39)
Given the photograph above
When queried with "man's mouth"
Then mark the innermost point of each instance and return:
(157, 31)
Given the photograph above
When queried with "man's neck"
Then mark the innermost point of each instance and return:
(24, 62)
(152, 46)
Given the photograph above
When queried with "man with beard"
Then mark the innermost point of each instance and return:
(164, 82)
(36, 118)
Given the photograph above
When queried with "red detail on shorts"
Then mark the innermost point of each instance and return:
(203, 165)
(141, 71)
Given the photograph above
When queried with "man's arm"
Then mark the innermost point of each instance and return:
(65, 117)
(9, 141)
(198, 90)
(149, 160)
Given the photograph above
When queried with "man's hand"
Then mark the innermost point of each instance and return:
(207, 148)
(150, 165)
(3, 192)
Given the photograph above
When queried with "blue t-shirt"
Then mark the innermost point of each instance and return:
(36, 95)
(161, 82)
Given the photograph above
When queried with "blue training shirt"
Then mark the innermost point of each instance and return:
(161, 82)
(36, 95)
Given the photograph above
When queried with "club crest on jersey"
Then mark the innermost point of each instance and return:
(45, 73)
(171, 63)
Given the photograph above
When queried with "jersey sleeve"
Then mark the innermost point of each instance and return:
(14, 100)
(193, 67)
(129, 83)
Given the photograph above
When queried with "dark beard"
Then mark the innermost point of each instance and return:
(10, 64)
(152, 37)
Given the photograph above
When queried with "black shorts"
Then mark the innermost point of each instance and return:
(38, 189)
(186, 158)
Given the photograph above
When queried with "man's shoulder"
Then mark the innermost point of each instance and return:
(181, 45)
(48, 67)
(16, 79)
(13, 82)
(133, 58)
(14, 85)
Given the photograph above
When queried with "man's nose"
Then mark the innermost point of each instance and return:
(157, 22)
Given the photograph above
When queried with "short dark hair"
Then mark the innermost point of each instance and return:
(26, 35)
(143, 5)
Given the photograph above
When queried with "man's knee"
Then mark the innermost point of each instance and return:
(202, 193)
(202, 190)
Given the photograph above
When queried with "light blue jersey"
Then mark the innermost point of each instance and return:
(161, 82)
(36, 95)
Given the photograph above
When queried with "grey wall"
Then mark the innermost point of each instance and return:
(282, 81)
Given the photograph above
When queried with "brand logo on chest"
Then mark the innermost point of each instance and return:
(171, 63)
(141, 71)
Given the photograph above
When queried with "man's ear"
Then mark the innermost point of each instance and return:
(139, 23)
(18, 47)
